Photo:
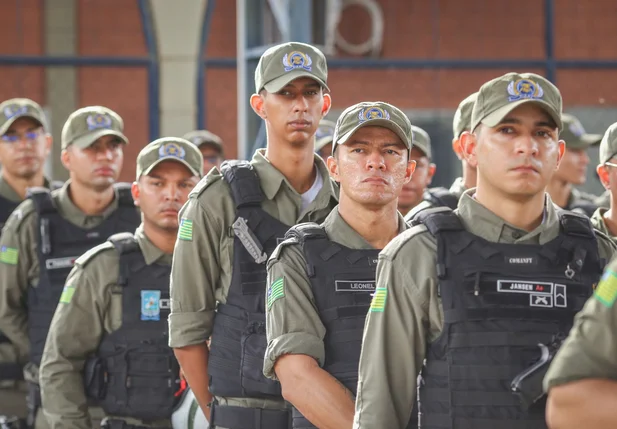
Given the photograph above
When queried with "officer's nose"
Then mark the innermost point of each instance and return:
(301, 104)
(527, 145)
(376, 161)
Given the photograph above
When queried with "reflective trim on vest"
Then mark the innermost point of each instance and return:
(135, 373)
(238, 341)
(495, 314)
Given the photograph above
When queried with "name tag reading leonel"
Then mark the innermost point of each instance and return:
(57, 263)
(355, 285)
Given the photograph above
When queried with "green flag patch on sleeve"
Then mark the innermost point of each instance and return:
(8, 255)
(606, 292)
(378, 304)
(185, 231)
(275, 291)
(67, 294)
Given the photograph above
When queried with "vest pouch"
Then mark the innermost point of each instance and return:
(254, 343)
(95, 378)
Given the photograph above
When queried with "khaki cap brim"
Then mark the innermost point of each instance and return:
(170, 158)
(5, 127)
(89, 139)
(493, 119)
(385, 123)
(279, 83)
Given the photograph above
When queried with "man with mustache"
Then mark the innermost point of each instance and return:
(48, 231)
(25, 143)
(317, 304)
(117, 298)
(231, 223)
(464, 297)
(573, 168)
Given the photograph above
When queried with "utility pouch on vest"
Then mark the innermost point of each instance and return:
(254, 343)
(95, 378)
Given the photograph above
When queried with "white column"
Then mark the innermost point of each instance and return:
(177, 26)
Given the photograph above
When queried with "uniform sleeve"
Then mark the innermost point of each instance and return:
(292, 321)
(194, 275)
(606, 247)
(75, 333)
(591, 347)
(405, 314)
(17, 261)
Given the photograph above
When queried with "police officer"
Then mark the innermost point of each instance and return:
(473, 291)
(605, 219)
(24, 145)
(573, 168)
(323, 139)
(48, 231)
(582, 380)
(232, 222)
(210, 145)
(460, 124)
(117, 298)
(316, 304)
(603, 200)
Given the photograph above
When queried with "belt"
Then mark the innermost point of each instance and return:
(249, 418)
(121, 424)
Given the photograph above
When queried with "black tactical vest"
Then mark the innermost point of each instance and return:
(499, 302)
(238, 340)
(60, 243)
(343, 281)
(584, 207)
(134, 373)
(441, 197)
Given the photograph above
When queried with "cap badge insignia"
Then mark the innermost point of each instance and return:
(98, 121)
(297, 60)
(373, 113)
(172, 149)
(14, 110)
(524, 89)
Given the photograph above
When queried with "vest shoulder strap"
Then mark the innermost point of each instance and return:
(43, 202)
(306, 231)
(123, 191)
(410, 217)
(244, 183)
(575, 224)
(439, 219)
(443, 197)
(586, 208)
(124, 243)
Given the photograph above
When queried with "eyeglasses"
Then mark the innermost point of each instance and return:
(29, 136)
(610, 164)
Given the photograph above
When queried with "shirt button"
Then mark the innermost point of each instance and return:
(516, 235)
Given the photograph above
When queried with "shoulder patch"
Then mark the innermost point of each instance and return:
(279, 249)
(84, 259)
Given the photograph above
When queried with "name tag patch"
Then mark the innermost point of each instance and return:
(59, 263)
(150, 305)
(355, 285)
(523, 260)
(541, 294)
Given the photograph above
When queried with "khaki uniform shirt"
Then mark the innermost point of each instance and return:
(203, 258)
(19, 271)
(598, 223)
(412, 316)
(293, 322)
(591, 347)
(91, 307)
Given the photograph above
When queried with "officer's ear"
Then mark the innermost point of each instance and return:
(65, 158)
(332, 163)
(469, 142)
(561, 152)
(456, 147)
(327, 104)
(48, 144)
(135, 192)
(257, 103)
(603, 174)
(432, 168)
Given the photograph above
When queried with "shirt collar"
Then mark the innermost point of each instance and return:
(151, 253)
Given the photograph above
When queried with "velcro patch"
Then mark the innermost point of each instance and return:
(378, 303)
(9, 255)
(67, 294)
(185, 232)
(354, 285)
(275, 291)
